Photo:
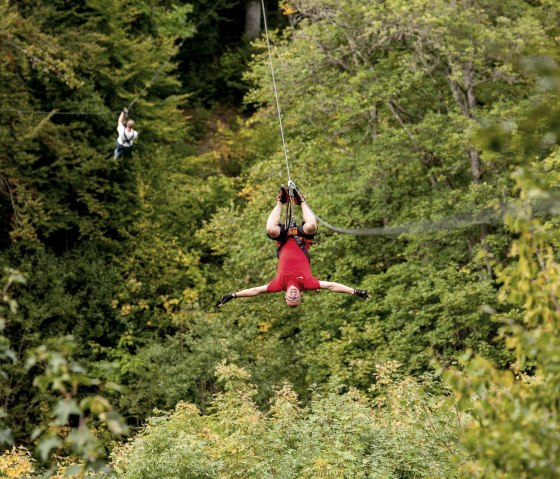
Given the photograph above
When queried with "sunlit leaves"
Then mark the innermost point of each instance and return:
(17, 463)
(340, 433)
(516, 427)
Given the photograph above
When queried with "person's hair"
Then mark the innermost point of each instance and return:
(293, 304)
(130, 123)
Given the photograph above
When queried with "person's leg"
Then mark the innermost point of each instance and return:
(273, 228)
(117, 152)
(309, 220)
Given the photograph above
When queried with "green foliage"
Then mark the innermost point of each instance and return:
(515, 428)
(84, 228)
(382, 103)
(8, 309)
(48, 160)
(56, 375)
(516, 420)
(395, 112)
(339, 434)
(516, 412)
(77, 421)
(213, 64)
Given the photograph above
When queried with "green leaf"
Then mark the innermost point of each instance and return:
(73, 470)
(46, 445)
(6, 438)
(82, 440)
(63, 409)
(116, 424)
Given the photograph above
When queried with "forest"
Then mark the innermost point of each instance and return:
(428, 128)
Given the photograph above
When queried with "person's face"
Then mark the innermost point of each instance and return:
(129, 124)
(293, 297)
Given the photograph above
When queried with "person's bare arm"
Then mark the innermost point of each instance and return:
(122, 117)
(336, 287)
(244, 293)
(342, 288)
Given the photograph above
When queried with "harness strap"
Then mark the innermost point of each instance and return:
(126, 139)
(292, 232)
(303, 248)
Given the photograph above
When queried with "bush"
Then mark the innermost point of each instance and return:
(404, 432)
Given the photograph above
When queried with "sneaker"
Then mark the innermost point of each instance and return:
(298, 198)
(283, 195)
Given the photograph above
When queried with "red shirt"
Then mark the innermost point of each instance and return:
(293, 270)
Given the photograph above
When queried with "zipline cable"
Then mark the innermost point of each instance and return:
(461, 220)
(275, 92)
(485, 216)
(135, 99)
(54, 112)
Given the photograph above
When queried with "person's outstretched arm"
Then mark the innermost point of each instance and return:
(122, 117)
(244, 293)
(341, 288)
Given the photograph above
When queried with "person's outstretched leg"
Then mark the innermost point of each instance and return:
(309, 220)
(273, 228)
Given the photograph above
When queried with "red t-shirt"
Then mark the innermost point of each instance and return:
(293, 269)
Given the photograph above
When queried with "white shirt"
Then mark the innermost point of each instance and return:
(124, 136)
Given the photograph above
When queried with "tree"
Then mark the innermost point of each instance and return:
(71, 214)
(515, 412)
(252, 18)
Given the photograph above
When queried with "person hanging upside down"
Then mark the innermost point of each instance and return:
(127, 135)
(294, 270)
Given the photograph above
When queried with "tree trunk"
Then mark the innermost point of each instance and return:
(476, 167)
(466, 99)
(252, 19)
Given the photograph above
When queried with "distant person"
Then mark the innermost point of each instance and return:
(127, 135)
(294, 269)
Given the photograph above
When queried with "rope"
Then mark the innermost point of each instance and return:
(485, 216)
(135, 99)
(54, 112)
(275, 91)
(463, 220)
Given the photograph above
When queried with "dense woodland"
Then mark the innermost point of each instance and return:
(437, 122)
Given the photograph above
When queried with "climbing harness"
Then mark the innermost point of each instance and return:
(291, 229)
(127, 140)
(294, 232)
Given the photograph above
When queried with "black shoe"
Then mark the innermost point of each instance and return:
(283, 195)
(361, 293)
(298, 198)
